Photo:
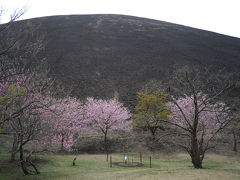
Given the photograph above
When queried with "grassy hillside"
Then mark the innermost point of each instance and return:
(99, 55)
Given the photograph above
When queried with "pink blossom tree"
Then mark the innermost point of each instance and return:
(198, 109)
(200, 121)
(62, 122)
(23, 99)
(22, 91)
(27, 88)
(106, 115)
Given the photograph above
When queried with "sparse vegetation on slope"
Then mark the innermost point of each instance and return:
(106, 55)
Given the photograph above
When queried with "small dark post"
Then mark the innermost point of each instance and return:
(132, 158)
(74, 160)
(141, 157)
(110, 161)
(150, 161)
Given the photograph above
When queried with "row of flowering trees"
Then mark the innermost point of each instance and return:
(30, 112)
(53, 121)
(68, 117)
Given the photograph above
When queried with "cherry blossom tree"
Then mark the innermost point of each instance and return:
(62, 122)
(106, 115)
(200, 122)
(23, 92)
(23, 98)
(26, 88)
(26, 125)
(198, 110)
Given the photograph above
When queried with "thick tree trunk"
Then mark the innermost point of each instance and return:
(14, 147)
(195, 154)
(195, 149)
(234, 142)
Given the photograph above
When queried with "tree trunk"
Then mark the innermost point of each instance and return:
(25, 162)
(234, 142)
(195, 149)
(195, 153)
(21, 158)
(74, 161)
(105, 145)
(153, 131)
(62, 142)
(14, 147)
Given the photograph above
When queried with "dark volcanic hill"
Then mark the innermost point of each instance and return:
(103, 54)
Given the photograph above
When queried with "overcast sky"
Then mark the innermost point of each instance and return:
(222, 16)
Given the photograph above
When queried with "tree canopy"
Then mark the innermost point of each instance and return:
(150, 111)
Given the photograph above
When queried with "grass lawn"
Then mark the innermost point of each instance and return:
(164, 167)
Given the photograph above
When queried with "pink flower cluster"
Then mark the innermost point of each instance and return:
(209, 115)
(69, 116)
(103, 115)
(62, 120)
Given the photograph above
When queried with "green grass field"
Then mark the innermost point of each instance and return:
(95, 167)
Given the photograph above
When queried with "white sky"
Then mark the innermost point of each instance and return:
(222, 16)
